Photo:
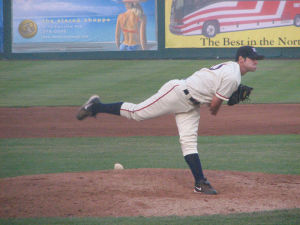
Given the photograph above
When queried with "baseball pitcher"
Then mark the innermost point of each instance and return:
(183, 98)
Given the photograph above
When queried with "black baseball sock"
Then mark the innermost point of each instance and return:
(194, 163)
(111, 108)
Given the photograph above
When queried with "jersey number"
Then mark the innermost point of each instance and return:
(216, 67)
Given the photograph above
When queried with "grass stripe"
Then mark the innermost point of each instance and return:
(282, 217)
(277, 154)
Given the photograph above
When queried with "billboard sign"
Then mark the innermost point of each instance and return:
(219, 23)
(75, 25)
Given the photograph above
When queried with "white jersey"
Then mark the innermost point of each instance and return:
(220, 80)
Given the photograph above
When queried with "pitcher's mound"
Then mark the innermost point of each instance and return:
(144, 192)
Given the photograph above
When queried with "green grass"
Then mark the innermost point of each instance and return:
(278, 154)
(70, 82)
(283, 217)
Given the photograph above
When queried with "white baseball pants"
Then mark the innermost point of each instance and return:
(170, 99)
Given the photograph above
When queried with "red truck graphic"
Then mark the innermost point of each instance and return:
(210, 17)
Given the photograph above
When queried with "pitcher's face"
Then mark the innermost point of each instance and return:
(247, 65)
(251, 64)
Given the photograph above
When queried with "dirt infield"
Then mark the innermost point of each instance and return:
(61, 122)
(145, 192)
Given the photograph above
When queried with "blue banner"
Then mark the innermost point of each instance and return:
(75, 25)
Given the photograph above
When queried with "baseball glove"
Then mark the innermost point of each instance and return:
(241, 94)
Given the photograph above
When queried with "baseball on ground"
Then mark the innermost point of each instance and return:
(118, 166)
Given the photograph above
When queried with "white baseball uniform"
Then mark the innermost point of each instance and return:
(180, 97)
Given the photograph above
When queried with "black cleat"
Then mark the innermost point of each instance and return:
(86, 108)
(204, 187)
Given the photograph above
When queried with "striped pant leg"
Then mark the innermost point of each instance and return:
(166, 101)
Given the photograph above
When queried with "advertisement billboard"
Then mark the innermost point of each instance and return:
(75, 25)
(227, 24)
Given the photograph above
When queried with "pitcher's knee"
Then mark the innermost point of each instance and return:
(129, 111)
(188, 146)
(130, 115)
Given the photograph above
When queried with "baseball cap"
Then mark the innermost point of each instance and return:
(248, 51)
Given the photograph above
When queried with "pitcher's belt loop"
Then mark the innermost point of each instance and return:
(194, 101)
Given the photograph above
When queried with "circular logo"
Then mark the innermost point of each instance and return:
(27, 28)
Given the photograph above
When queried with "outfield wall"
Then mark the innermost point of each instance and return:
(280, 41)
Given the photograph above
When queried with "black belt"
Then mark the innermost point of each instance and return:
(194, 101)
